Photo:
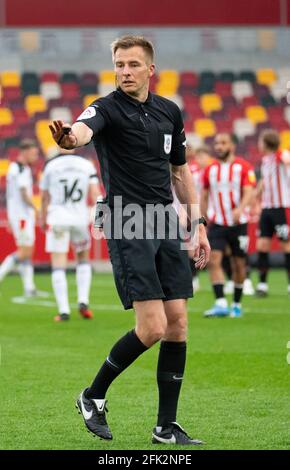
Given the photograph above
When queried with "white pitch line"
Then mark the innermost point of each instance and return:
(50, 303)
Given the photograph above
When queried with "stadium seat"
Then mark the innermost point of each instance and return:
(188, 80)
(278, 89)
(224, 126)
(242, 89)
(220, 115)
(247, 75)
(27, 130)
(88, 88)
(15, 103)
(169, 76)
(266, 76)
(20, 116)
(235, 112)
(106, 88)
(10, 78)
(67, 77)
(64, 114)
(226, 76)
(168, 82)
(34, 103)
(229, 101)
(261, 126)
(50, 90)
(286, 113)
(4, 165)
(204, 127)
(256, 114)
(6, 116)
(89, 77)
(267, 101)
(107, 76)
(210, 102)
(70, 90)
(49, 77)
(43, 135)
(10, 93)
(223, 88)
(30, 83)
(250, 101)
(88, 99)
(285, 139)
(243, 127)
(283, 73)
(12, 153)
(261, 90)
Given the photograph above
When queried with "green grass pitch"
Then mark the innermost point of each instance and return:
(235, 393)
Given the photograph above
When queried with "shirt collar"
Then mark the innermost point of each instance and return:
(133, 100)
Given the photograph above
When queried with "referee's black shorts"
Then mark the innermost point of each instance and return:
(274, 221)
(147, 269)
(236, 237)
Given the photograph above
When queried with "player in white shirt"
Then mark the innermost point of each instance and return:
(68, 181)
(21, 215)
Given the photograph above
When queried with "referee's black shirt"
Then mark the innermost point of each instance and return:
(135, 143)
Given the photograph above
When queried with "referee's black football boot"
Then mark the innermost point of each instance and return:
(173, 434)
(94, 414)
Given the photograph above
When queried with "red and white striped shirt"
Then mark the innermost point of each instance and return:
(276, 181)
(225, 182)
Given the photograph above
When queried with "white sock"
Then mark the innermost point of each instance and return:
(8, 264)
(26, 272)
(83, 278)
(59, 284)
(222, 302)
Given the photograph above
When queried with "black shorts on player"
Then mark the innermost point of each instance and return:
(274, 221)
(236, 237)
(152, 267)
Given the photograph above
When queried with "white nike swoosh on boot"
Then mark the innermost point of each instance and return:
(172, 439)
(87, 414)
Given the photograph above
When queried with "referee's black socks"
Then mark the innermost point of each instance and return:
(123, 353)
(171, 363)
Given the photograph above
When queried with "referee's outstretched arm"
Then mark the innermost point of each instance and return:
(70, 137)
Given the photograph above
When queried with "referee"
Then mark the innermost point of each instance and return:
(140, 142)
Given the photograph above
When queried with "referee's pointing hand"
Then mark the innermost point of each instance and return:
(63, 135)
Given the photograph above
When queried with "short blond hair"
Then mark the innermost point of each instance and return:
(126, 42)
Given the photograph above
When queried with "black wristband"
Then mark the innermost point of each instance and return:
(199, 221)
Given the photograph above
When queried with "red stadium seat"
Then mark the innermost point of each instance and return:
(49, 77)
(223, 88)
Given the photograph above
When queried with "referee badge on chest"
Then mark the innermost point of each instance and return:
(167, 143)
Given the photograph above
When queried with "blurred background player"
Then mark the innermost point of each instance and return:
(21, 212)
(198, 159)
(67, 183)
(274, 187)
(229, 182)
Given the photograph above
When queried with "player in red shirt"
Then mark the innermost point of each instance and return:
(275, 190)
(228, 183)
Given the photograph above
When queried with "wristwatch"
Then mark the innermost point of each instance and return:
(202, 220)
(199, 221)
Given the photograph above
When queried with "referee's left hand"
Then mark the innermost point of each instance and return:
(202, 250)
